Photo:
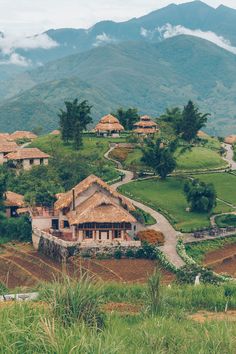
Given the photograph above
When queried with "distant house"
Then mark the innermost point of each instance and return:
(90, 213)
(145, 126)
(109, 125)
(27, 158)
(55, 132)
(14, 204)
(231, 139)
(6, 147)
(21, 135)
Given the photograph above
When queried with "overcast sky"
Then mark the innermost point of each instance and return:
(33, 16)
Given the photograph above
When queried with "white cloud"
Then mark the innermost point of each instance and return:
(9, 45)
(169, 31)
(102, 39)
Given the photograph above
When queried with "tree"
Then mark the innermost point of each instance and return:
(74, 120)
(2, 187)
(173, 116)
(127, 117)
(200, 196)
(192, 121)
(160, 158)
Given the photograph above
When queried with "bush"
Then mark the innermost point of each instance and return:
(130, 253)
(18, 229)
(118, 254)
(76, 301)
(152, 236)
(187, 274)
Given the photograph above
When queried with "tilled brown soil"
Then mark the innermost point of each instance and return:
(24, 267)
(222, 260)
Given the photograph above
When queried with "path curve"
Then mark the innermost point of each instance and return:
(162, 224)
(229, 157)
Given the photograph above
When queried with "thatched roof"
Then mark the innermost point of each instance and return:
(8, 146)
(231, 139)
(145, 121)
(145, 130)
(65, 199)
(99, 208)
(202, 134)
(55, 132)
(22, 135)
(109, 123)
(5, 136)
(14, 199)
(30, 153)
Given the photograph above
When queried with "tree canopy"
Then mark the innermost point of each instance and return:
(74, 120)
(127, 117)
(200, 196)
(160, 157)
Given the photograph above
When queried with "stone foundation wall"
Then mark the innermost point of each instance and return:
(60, 250)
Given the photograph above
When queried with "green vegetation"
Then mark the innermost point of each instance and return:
(200, 196)
(143, 217)
(15, 229)
(226, 220)
(127, 117)
(125, 75)
(167, 197)
(224, 183)
(198, 250)
(38, 329)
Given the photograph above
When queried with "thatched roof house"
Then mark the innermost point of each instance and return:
(18, 135)
(14, 204)
(231, 139)
(91, 213)
(7, 147)
(28, 157)
(55, 132)
(109, 125)
(145, 126)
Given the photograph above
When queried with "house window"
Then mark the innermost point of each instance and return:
(117, 234)
(66, 224)
(89, 234)
(31, 161)
(55, 224)
(41, 161)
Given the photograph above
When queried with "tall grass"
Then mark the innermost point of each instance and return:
(154, 292)
(76, 301)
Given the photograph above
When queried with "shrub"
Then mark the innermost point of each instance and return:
(76, 301)
(118, 254)
(152, 236)
(130, 253)
(15, 228)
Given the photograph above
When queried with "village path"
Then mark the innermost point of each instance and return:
(162, 224)
(229, 157)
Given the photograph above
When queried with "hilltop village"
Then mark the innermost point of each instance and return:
(130, 199)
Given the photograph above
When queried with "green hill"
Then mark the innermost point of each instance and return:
(150, 76)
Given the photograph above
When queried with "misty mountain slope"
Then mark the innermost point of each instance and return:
(148, 76)
(193, 15)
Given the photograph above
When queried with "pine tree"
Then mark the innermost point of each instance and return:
(192, 121)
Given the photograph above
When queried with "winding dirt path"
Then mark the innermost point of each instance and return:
(162, 224)
(229, 157)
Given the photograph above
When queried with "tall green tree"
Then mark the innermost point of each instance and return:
(160, 158)
(201, 196)
(192, 121)
(173, 116)
(73, 120)
(2, 188)
(127, 117)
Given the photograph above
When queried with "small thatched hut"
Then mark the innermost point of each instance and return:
(109, 125)
(145, 126)
(231, 139)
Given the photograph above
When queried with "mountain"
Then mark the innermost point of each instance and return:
(193, 15)
(150, 76)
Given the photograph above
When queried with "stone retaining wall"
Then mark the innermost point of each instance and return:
(60, 250)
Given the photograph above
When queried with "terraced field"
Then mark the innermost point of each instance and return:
(22, 266)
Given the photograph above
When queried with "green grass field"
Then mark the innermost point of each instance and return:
(168, 196)
(225, 185)
(198, 158)
(38, 327)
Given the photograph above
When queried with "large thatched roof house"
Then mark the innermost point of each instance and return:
(92, 212)
(109, 125)
(27, 158)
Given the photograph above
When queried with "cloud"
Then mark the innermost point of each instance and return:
(102, 39)
(168, 31)
(10, 44)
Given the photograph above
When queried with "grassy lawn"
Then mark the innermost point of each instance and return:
(198, 158)
(168, 197)
(198, 250)
(225, 185)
